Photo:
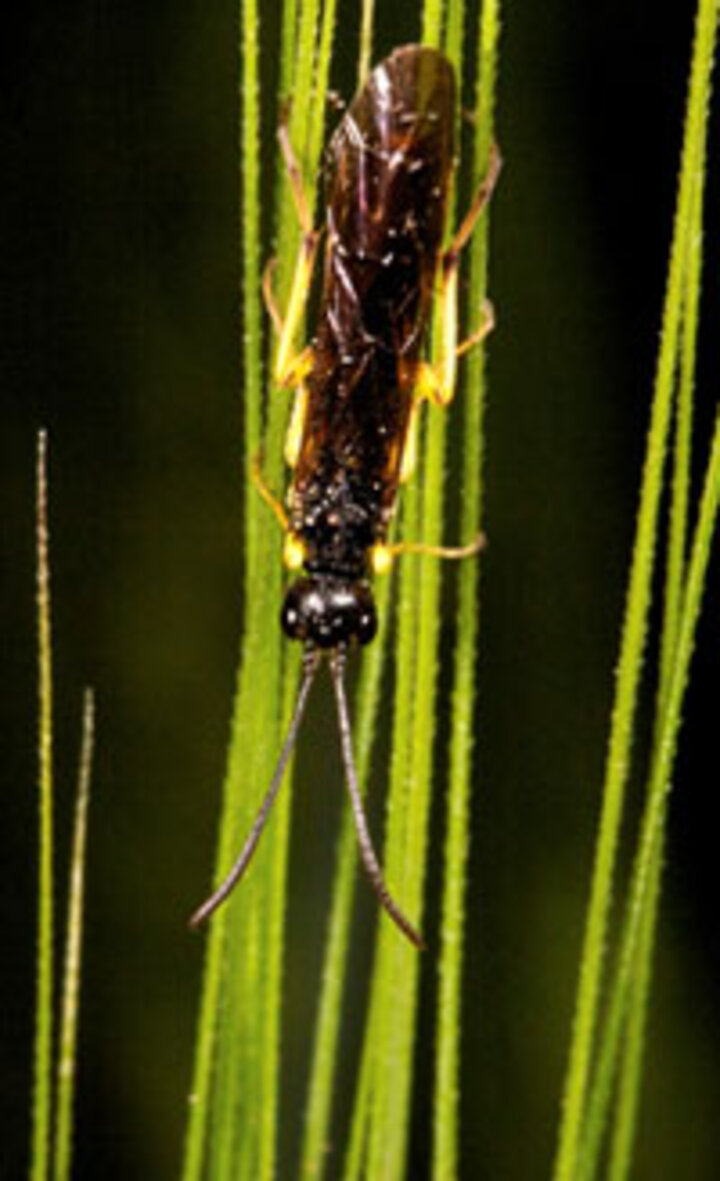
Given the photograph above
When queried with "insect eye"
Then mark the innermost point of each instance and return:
(365, 615)
(295, 616)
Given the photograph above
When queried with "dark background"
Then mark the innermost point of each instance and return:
(119, 327)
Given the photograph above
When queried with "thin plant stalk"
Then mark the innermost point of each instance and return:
(42, 1077)
(637, 1009)
(395, 980)
(249, 156)
(457, 839)
(359, 1127)
(387, 992)
(235, 1092)
(640, 972)
(67, 1050)
(313, 110)
(318, 108)
(325, 1047)
(199, 1109)
(661, 777)
(255, 946)
(432, 22)
(636, 941)
(634, 628)
(631, 1066)
(366, 31)
(395, 1072)
(639, 982)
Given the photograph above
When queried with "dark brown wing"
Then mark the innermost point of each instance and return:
(390, 164)
(387, 182)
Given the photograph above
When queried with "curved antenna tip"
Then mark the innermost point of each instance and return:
(211, 904)
(367, 852)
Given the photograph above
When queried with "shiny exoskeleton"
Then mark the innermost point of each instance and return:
(390, 162)
(359, 383)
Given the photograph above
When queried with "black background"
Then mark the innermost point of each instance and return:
(119, 323)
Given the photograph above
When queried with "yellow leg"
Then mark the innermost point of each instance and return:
(486, 325)
(296, 181)
(383, 556)
(410, 449)
(436, 381)
(269, 497)
(482, 196)
(288, 363)
(291, 367)
(293, 438)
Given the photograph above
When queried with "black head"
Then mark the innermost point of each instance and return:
(328, 611)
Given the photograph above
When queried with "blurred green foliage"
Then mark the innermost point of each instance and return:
(119, 332)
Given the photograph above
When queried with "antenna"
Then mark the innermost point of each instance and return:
(367, 852)
(310, 665)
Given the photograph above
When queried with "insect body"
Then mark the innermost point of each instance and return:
(359, 384)
(386, 197)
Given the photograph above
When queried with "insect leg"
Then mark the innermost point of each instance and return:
(383, 555)
(289, 367)
(482, 196)
(294, 550)
(293, 438)
(268, 496)
(451, 264)
(436, 381)
(296, 181)
(410, 448)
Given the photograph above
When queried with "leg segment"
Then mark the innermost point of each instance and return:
(482, 196)
(289, 366)
(294, 550)
(437, 380)
(269, 497)
(383, 556)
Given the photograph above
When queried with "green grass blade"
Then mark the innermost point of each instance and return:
(639, 988)
(249, 155)
(445, 1107)
(287, 48)
(366, 31)
(679, 506)
(199, 1109)
(67, 1050)
(318, 107)
(396, 979)
(42, 1076)
(634, 628)
(312, 107)
(631, 1065)
(643, 882)
(392, 957)
(360, 1123)
(235, 1092)
(250, 1052)
(334, 974)
(639, 981)
(676, 595)
(273, 935)
(432, 22)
